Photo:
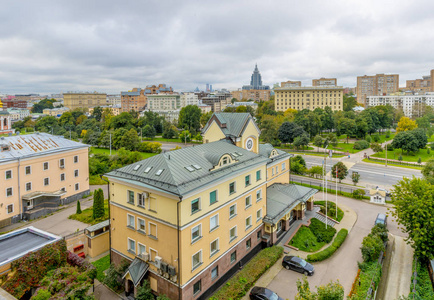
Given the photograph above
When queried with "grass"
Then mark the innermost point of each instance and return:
(331, 211)
(101, 265)
(344, 147)
(405, 157)
(391, 164)
(96, 150)
(305, 240)
(291, 147)
(315, 154)
(330, 191)
(96, 180)
(86, 215)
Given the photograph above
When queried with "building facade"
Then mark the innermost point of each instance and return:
(217, 101)
(188, 219)
(164, 102)
(300, 98)
(18, 114)
(376, 85)
(133, 100)
(40, 172)
(324, 82)
(255, 95)
(290, 83)
(55, 112)
(256, 81)
(426, 84)
(189, 99)
(84, 100)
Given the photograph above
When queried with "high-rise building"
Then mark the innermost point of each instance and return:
(309, 97)
(426, 84)
(189, 99)
(256, 81)
(207, 88)
(324, 82)
(376, 85)
(74, 100)
(217, 101)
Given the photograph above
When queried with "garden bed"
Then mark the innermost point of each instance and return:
(312, 238)
(101, 265)
(327, 252)
(86, 215)
(331, 210)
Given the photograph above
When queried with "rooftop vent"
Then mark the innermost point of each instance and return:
(4, 147)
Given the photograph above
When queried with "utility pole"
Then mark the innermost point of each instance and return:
(110, 143)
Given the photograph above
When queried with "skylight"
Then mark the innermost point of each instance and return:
(240, 154)
(197, 167)
(137, 167)
(189, 168)
(159, 172)
(148, 169)
(235, 154)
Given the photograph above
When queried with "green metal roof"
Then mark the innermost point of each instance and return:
(233, 123)
(281, 198)
(98, 226)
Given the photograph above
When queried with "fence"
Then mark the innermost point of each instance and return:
(330, 185)
(397, 162)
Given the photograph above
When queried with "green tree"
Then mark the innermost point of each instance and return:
(98, 204)
(198, 137)
(78, 211)
(124, 120)
(342, 171)
(97, 113)
(288, 131)
(43, 104)
(349, 102)
(163, 297)
(185, 136)
(149, 131)
(130, 140)
(428, 171)
(269, 131)
(355, 177)
(334, 141)
(318, 141)
(189, 118)
(346, 126)
(376, 147)
(302, 141)
(204, 118)
(406, 141)
(144, 292)
(298, 165)
(372, 245)
(361, 127)
(330, 291)
(413, 201)
(170, 131)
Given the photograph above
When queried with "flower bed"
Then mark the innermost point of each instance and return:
(331, 211)
(236, 287)
(327, 252)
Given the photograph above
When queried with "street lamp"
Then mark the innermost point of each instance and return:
(325, 178)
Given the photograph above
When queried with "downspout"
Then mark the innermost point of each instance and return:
(179, 264)
(110, 221)
(19, 190)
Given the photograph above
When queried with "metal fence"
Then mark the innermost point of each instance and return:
(331, 185)
(397, 162)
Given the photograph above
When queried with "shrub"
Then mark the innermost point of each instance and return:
(381, 231)
(98, 204)
(400, 157)
(376, 138)
(41, 294)
(360, 145)
(370, 271)
(150, 147)
(327, 252)
(240, 283)
(428, 151)
(372, 246)
(114, 275)
(359, 193)
(387, 134)
(78, 208)
(322, 234)
(297, 168)
(368, 139)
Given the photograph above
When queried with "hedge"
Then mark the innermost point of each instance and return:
(345, 194)
(236, 287)
(320, 232)
(423, 288)
(369, 271)
(327, 252)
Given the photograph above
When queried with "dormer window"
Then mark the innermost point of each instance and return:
(225, 161)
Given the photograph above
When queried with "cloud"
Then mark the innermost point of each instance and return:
(112, 46)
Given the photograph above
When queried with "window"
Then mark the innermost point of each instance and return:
(130, 197)
(152, 254)
(258, 195)
(213, 222)
(131, 246)
(259, 234)
(196, 260)
(215, 273)
(46, 181)
(10, 208)
(283, 166)
(195, 206)
(152, 230)
(28, 186)
(8, 192)
(62, 162)
(141, 225)
(142, 248)
(233, 257)
(248, 201)
(232, 234)
(45, 166)
(231, 188)
(196, 233)
(247, 180)
(197, 287)
(62, 177)
(248, 243)
(131, 222)
(75, 159)
(63, 189)
(272, 171)
(259, 215)
(8, 174)
(248, 222)
(232, 211)
(141, 200)
(214, 247)
(28, 170)
(75, 173)
(277, 170)
(77, 186)
(212, 197)
(258, 175)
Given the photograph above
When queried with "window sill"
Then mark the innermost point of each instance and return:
(131, 227)
(195, 212)
(231, 217)
(258, 219)
(248, 206)
(196, 266)
(214, 253)
(132, 203)
(141, 206)
(257, 200)
(151, 210)
(233, 239)
(215, 228)
(131, 251)
(232, 193)
(153, 237)
(141, 231)
(211, 203)
(196, 239)
(248, 227)
(247, 185)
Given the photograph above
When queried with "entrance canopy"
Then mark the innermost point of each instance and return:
(34, 195)
(137, 270)
(282, 198)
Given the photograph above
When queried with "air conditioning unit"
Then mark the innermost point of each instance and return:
(145, 256)
(163, 267)
(158, 261)
(171, 270)
(173, 278)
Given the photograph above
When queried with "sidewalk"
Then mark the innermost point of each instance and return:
(101, 292)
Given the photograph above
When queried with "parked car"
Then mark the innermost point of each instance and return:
(297, 264)
(261, 293)
(384, 190)
(381, 219)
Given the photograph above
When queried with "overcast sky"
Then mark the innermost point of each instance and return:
(112, 46)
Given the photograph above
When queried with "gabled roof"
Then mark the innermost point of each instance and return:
(137, 270)
(232, 124)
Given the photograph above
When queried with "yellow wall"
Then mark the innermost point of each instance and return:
(250, 132)
(308, 97)
(214, 133)
(278, 176)
(99, 244)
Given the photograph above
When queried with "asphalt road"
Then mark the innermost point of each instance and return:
(371, 175)
(342, 265)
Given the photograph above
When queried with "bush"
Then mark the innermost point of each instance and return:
(370, 271)
(240, 283)
(400, 157)
(322, 234)
(297, 168)
(78, 208)
(376, 138)
(368, 139)
(359, 193)
(114, 275)
(387, 134)
(98, 204)
(423, 288)
(327, 252)
(360, 145)
(331, 209)
(150, 147)
(428, 151)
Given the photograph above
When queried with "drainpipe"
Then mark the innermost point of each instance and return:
(179, 264)
(19, 190)
(110, 220)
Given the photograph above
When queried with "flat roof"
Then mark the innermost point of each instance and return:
(18, 243)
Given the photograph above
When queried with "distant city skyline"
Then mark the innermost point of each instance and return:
(52, 47)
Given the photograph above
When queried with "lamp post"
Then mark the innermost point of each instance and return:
(325, 177)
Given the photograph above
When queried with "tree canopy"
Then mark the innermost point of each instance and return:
(189, 118)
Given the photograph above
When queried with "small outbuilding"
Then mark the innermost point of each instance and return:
(378, 196)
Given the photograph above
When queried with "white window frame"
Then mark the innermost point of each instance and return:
(199, 205)
(77, 186)
(30, 186)
(194, 267)
(150, 253)
(135, 244)
(64, 176)
(258, 192)
(13, 208)
(76, 174)
(235, 214)
(250, 180)
(248, 226)
(75, 158)
(217, 223)
(12, 191)
(128, 197)
(62, 163)
(138, 225)
(232, 238)
(48, 181)
(212, 253)
(260, 215)
(139, 198)
(283, 166)
(250, 201)
(138, 248)
(25, 170)
(156, 230)
(6, 174)
(235, 187)
(215, 268)
(128, 221)
(193, 240)
(48, 166)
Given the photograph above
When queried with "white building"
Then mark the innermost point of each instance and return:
(168, 115)
(377, 196)
(114, 100)
(18, 114)
(251, 104)
(189, 99)
(164, 102)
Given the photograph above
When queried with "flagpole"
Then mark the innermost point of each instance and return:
(325, 177)
(336, 194)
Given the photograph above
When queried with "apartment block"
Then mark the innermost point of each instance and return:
(426, 84)
(164, 102)
(218, 101)
(255, 95)
(188, 219)
(324, 82)
(189, 99)
(84, 100)
(300, 98)
(376, 85)
(290, 83)
(133, 100)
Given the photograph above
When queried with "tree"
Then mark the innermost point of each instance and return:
(189, 118)
(428, 171)
(198, 137)
(97, 113)
(78, 207)
(288, 131)
(372, 245)
(204, 118)
(130, 140)
(269, 130)
(376, 147)
(162, 297)
(144, 292)
(170, 131)
(98, 204)
(414, 206)
(330, 291)
(346, 126)
(334, 141)
(342, 171)
(302, 140)
(316, 171)
(355, 177)
(405, 124)
(123, 120)
(361, 127)
(149, 131)
(318, 141)
(298, 165)
(43, 104)
(349, 102)
(407, 141)
(185, 136)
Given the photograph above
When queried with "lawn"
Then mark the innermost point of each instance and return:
(344, 147)
(101, 265)
(405, 157)
(96, 180)
(331, 209)
(305, 240)
(86, 215)
(107, 151)
(315, 154)
(290, 146)
(415, 167)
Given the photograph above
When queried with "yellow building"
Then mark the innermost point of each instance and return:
(84, 100)
(39, 173)
(311, 97)
(188, 219)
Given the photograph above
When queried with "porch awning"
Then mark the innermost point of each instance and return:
(282, 198)
(137, 270)
(38, 194)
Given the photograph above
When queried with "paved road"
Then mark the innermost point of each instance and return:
(343, 264)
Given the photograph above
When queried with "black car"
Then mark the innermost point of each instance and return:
(261, 293)
(381, 219)
(297, 264)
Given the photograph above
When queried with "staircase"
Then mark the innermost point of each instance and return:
(322, 218)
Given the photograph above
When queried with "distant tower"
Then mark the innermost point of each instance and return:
(210, 88)
(256, 81)
(207, 87)
(5, 121)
